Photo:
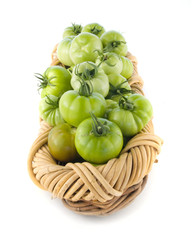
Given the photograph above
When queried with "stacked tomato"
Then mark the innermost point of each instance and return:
(87, 99)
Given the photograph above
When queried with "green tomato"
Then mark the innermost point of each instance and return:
(110, 62)
(118, 85)
(63, 51)
(90, 73)
(114, 42)
(74, 30)
(49, 110)
(55, 81)
(133, 113)
(127, 69)
(75, 108)
(98, 141)
(61, 143)
(94, 28)
(84, 47)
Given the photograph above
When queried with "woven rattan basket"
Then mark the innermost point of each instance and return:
(101, 190)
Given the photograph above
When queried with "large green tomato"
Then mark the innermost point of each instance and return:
(127, 69)
(98, 140)
(114, 42)
(55, 81)
(74, 30)
(74, 107)
(63, 51)
(90, 73)
(61, 143)
(118, 85)
(84, 47)
(133, 113)
(110, 62)
(94, 28)
(49, 110)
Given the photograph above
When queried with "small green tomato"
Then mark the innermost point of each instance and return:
(127, 69)
(61, 143)
(94, 28)
(84, 47)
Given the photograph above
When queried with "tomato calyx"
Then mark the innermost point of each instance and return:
(103, 57)
(99, 129)
(124, 103)
(86, 88)
(118, 90)
(76, 28)
(112, 45)
(53, 103)
(87, 74)
(96, 30)
(43, 81)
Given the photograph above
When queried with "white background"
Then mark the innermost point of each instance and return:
(159, 34)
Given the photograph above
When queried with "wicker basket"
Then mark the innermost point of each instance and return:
(100, 190)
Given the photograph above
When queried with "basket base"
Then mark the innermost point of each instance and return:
(101, 209)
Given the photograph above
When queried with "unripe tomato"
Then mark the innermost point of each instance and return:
(98, 141)
(94, 28)
(83, 48)
(73, 30)
(63, 51)
(127, 69)
(114, 42)
(61, 143)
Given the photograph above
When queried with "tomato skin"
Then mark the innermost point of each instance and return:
(50, 113)
(132, 121)
(112, 64)
(94, 28)
(110, 105)
(99, 81)
(59, 81)
(73, 30)
(83, 48)
(109, 37)
(75, 108)
(63, 51)
(61, 143)
(127, 69)
(98, 149)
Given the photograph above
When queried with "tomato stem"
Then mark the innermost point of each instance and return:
(103, 57)
(86, 88)
(85, 79)
(118, 90)
(87, 74)
(43, 81)
(53, 103)
(76, 28)
(125, 103)
(96, 30)
(112, 45)
(99, 129)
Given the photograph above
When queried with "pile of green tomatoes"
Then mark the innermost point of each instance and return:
(87, 98)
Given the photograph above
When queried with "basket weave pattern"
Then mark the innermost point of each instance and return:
(96, 190)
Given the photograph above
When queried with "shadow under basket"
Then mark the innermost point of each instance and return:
(103, 189)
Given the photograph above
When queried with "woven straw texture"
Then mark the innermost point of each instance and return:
(96, 190)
